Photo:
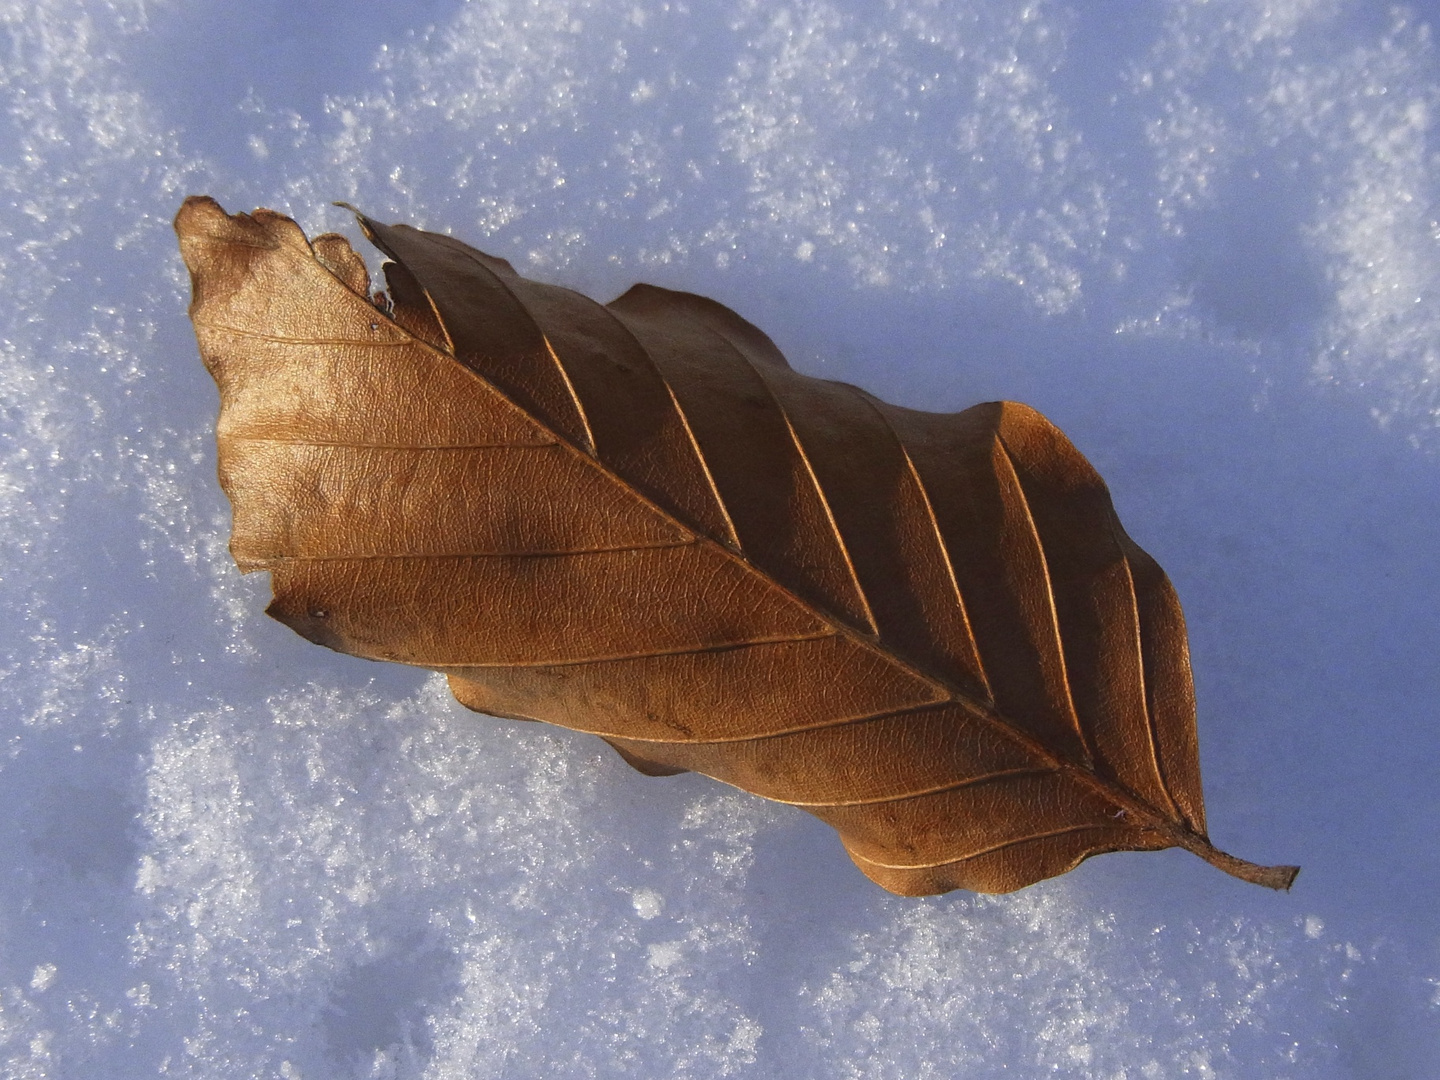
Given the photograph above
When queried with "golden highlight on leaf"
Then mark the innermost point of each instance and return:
(634, 519)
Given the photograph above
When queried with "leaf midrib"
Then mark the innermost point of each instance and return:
(1148, 816)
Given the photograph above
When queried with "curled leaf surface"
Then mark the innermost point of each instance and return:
(634, 519)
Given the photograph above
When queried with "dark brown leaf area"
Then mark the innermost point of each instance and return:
(634, 519)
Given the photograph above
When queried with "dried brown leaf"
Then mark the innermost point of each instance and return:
(636, 520)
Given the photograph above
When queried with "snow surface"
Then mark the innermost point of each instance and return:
(1201, 236)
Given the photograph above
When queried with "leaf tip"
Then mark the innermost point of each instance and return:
(366, 225)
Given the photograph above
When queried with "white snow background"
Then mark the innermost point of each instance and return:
(1202, 237)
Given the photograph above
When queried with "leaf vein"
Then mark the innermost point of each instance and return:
(1045, 578)
(280, 339)
(953, 785)
(346, 445)
(984, 851)
(691, 650)
(556, 554)
(802, 729)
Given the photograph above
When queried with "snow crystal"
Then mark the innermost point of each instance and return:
(232, 853)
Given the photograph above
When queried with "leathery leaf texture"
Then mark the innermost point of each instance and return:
(634, 519)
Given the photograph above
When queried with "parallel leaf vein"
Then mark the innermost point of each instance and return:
(422, 555)
(610, 658)
(840, 544)
(347, 445)
(838, 721)
(924, 491)
(279, 339)
(977, 854)
(1152, 739)
(1058, 639)
(733, 535)
(954, 785)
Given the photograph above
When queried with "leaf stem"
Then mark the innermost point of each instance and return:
(1272, 877)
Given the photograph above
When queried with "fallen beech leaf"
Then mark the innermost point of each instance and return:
(636, 520)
